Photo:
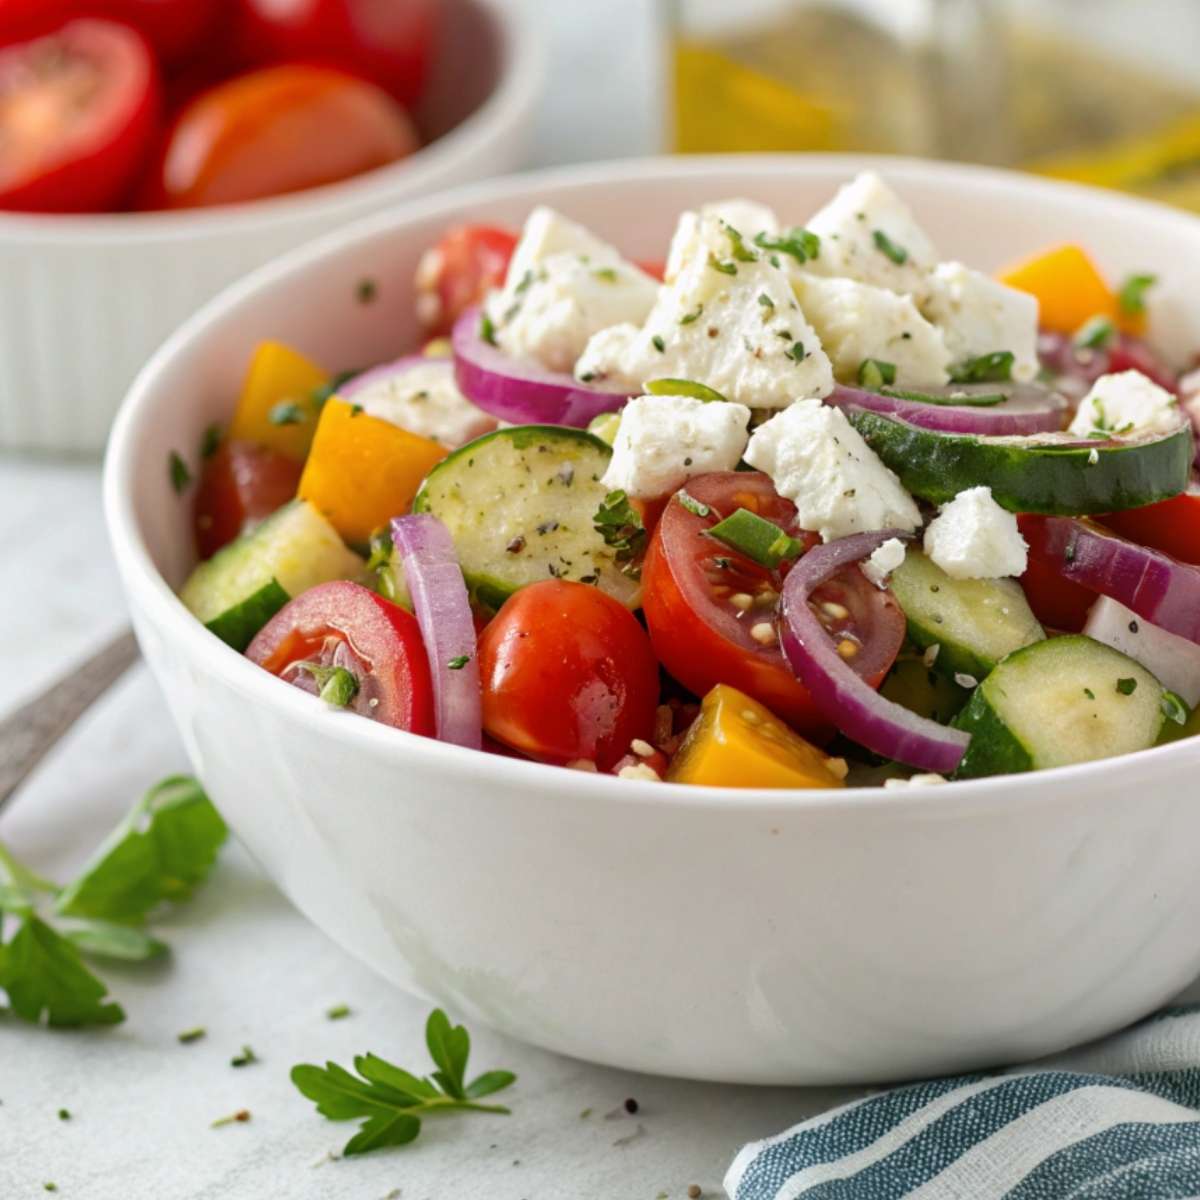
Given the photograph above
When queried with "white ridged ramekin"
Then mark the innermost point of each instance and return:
(85, 300)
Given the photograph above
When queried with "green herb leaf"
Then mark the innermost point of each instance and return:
(319, 395)
(458, 662)
(620, 524)
(210, 442)
(796, 352)
(874, 373)
(487, 329)
(244, 1059)
(1127, 686)
(659, 345)
(885, 245)
(339, 1012)
(338, 686)
(757, 538)
(683, 387)
(105, 939)
(987, 368)
(1096, 333)
(286, 412)
(605, 274)
(694, 315)
(797, 242)
(178, 472)
(740, 250)
(726, 268)
(391, 1101)
(366, 291)
(45, 980)
(1131, 297)
(162, 851)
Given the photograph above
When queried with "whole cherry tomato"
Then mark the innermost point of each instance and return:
(567, 674)
(78, 112)
(279, 130)
(712, 611)
(346, 625)
(390, 42)
(459, 271)
(1172, 526)
(240, 485)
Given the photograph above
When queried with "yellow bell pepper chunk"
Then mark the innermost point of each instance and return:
(1070, 290)
(736, 742)
(361, 471)
(276, 408)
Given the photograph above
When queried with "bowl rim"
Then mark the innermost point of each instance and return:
(521, 74)
(140, 576)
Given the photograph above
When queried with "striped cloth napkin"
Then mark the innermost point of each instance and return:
(1117, 1119)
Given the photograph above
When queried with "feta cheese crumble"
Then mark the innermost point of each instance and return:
(978, 315)
(856, 321)
(664, 440)
(426, 401)
(928, 780)
(972, 537)
(868, 233)
(888, 558)
(1124, 404)
(839, 485)
(563, 285)
(728, 319)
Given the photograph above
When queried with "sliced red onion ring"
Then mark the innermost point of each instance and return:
(523, 392)
(1158, 588)
(1076, 368)
(857, 709)
(382, 374)
(439, 598)
(1027, 408)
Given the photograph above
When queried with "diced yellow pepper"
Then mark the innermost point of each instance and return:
(276, 408)
(736, 742)
(361, 471)
(1070, 290)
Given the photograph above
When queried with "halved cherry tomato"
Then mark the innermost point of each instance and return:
(78, 112)
(703, 601)
(240, 485)
(390, 42)
(275, 131)
(343, 624)
(459, 271)
(1172, 526)
(567, 674)
(1057, 602)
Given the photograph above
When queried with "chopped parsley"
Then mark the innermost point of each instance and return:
(659, 345)
(796, 352)
(874, 373)
(366, 291)
(987, 368)
(458, 662)
(1096, 333)
(1127, 686)
(1131, 296)
(694, 315)
(797, 242)
(620, 525)
(726, 268)
(338, 1012)
(605, 274)
(244, 1059)
(765, 300)
(177, 471)
(884, 244)
(337, 685)
(286, 412)
(487, 329)
(210, 442)
(740, 250)
(683, 387)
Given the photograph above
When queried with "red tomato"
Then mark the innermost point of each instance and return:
(347, 625)
(240, 485)
(1057, 602)
(390, 42)
(567, 673)
(277, 131)
(656, 267)
(1172, 526)
(702, 637)
(78, 111)
(459, 271)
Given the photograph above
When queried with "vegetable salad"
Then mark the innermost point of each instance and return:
(795, 507)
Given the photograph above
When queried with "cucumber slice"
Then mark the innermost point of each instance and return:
(1065, 700)
(244, 584)
(1049, 473)
(519, 504)
(913, 685)
(974, 622)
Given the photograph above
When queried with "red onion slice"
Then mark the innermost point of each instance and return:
(857, 709)
(523, 392)
(1027, 409)
(377, 375)
(1158, 588)
(439, 596)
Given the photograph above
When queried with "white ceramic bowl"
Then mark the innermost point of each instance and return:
(85, 300)
(752, 936)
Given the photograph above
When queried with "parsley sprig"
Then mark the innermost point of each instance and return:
(620, 525)
(391, 1101)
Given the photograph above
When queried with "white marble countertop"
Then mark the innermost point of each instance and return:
(243, 963)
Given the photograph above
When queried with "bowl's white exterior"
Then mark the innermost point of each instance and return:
(85, 300)
(728, 935)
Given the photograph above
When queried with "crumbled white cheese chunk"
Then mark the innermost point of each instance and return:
(888, 558)
(856, 321)
(640, 771)
(746, 217)
(665, 440)
(1172, 660)
(1124, 404)
(563, 285)
(929, 780)
(732, 323)
(838, 484)
(972, 537)
(864, 229)
(425, 400)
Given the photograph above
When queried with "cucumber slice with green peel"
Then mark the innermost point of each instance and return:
(973, 622)
(245, 583)
(1052, 473)
(920, 689)
(520, 504)
(1062, 701)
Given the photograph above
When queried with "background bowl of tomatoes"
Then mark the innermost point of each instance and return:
(152, 151)
(725, 934)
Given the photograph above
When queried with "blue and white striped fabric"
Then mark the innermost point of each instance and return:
(1117, 1120)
